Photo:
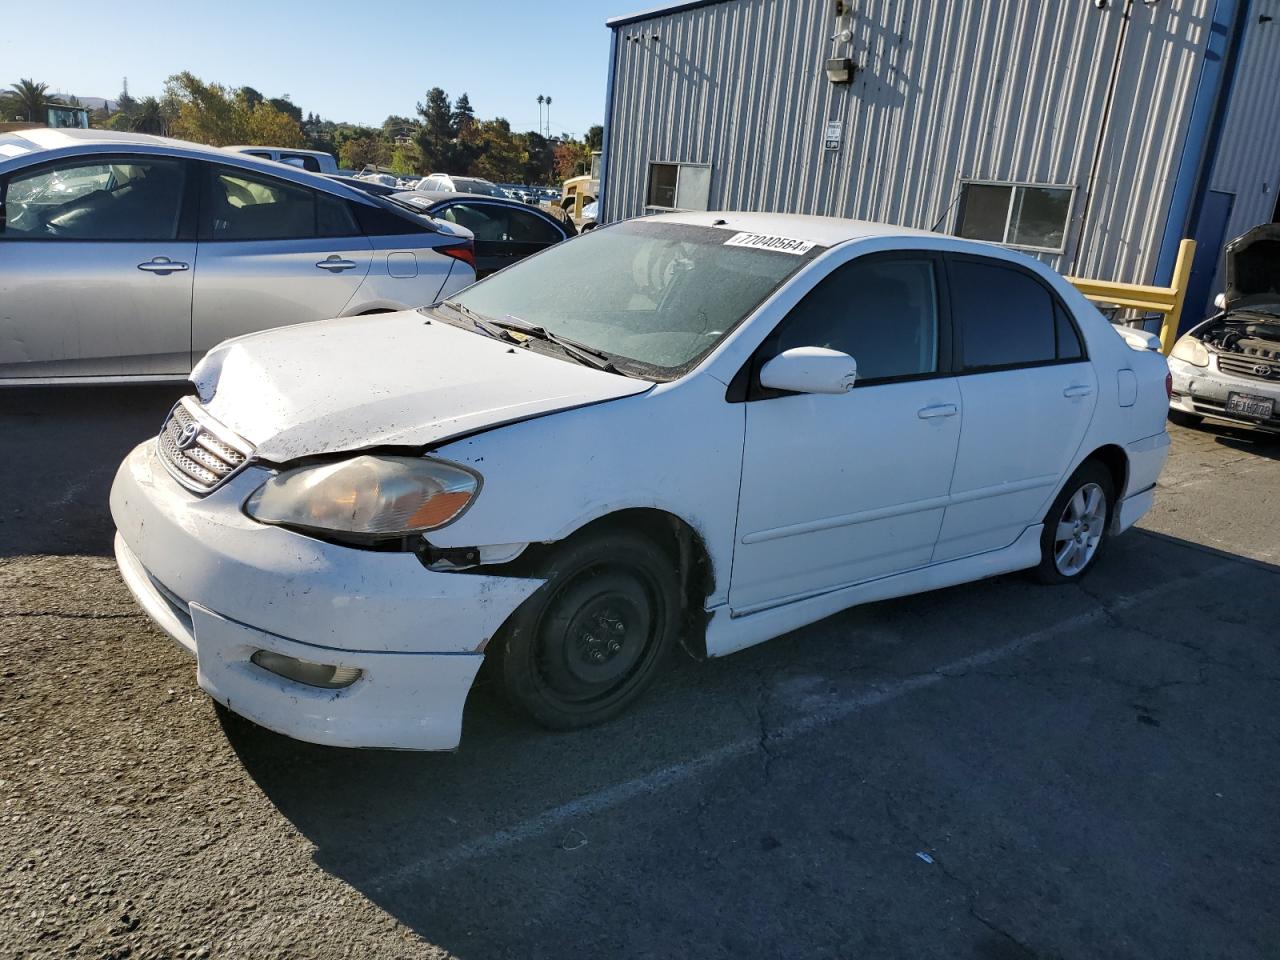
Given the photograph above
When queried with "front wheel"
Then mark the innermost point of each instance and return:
(1075, 528)
(585, 645)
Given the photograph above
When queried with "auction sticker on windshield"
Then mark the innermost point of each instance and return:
(763, 241)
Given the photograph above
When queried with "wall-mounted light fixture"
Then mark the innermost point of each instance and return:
(840, 69)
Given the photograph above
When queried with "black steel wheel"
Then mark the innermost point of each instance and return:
(590, 640)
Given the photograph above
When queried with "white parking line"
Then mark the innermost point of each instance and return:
(686, 770)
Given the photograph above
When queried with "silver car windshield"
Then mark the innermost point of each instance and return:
(657, 295)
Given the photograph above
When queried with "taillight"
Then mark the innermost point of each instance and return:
(1168, 386)
(465, 251)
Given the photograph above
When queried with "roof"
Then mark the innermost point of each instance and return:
(661, 11)
(827, 231)
(51, 138)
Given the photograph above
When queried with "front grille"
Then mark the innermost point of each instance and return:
(1258, 368)
(199, 452)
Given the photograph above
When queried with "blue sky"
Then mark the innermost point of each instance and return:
(345, 60)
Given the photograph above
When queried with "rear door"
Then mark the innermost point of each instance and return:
(96, 262)
(1028, 394)
(503, 232)
(271, 253)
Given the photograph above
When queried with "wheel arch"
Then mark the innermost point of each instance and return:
(1113, 457)
(681, 541)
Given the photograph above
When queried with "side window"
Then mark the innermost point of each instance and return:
(264, 154)
(531, 228)
(129, 199)
(302, 160)
(242, 206)
(334, 217)
(486, 220)
(1005, 317)
(883, 313)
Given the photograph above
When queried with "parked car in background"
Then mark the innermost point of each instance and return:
(707, 428)
(505, 230)
(127, 256)
(368, 186)
(589, 217)
(317, 161)
(444, 183)
(1228, 367)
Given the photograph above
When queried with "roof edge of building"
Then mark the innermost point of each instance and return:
(681, 5)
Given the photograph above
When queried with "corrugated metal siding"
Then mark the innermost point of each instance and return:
(972, 89)
(1248, 160)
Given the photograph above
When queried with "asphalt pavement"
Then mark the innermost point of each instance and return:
(999, 770)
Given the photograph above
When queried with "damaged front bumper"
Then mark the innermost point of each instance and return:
(226, 587)
(1204, 392)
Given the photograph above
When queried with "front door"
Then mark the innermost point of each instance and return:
(842, 489)
(271, 253)
(95, 280)
(1029, 393)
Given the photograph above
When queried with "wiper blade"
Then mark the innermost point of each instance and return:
(579, 351)
(486, 325)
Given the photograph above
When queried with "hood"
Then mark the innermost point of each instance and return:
(1253, 268)
(393, 379)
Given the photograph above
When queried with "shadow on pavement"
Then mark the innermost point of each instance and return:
(1113, 782)
(59, 450)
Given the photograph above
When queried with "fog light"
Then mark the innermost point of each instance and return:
(303, 671)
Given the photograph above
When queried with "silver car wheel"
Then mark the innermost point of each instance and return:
(1080, 530)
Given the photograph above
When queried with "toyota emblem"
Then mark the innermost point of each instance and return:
(1262, 370)
(188, 437)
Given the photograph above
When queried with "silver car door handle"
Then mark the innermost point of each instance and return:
(1077, 390)
(937, 410)
(163, 265)
(335, 264)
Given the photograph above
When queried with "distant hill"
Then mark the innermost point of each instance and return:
(93, 103)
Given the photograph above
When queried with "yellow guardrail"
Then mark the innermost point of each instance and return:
(1163, 300)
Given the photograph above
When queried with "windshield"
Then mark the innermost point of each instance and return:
(463, 185)
(660, 295)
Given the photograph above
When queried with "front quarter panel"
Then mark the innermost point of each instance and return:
(676, 448)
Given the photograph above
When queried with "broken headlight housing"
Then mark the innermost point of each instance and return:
(366, 499)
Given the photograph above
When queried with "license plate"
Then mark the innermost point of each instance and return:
(1250, 405)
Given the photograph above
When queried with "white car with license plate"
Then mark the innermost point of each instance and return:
(696, 429)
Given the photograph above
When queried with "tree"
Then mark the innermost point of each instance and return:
(28, 99)
(541, 163)
(249, 97)
(595, 137)
(126, 104)
(498, 154)
(406, 158)
(463, 115)
(288, 108)
(148, 117)
(356, 153)
(435, 139)
(210, 113)
(573, 159)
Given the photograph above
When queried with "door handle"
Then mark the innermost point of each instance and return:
(1077, 390)
(335, 264)
(937, 410)
(163, 265)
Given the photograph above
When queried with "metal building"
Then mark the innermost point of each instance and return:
(1094, 134)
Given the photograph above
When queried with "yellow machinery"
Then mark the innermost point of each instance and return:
(579, 191)
(1166, 301)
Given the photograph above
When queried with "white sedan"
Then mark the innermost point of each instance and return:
(706, 429)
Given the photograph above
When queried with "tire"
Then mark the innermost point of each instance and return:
(1184, 419)
(1069, 559)
(585, 646)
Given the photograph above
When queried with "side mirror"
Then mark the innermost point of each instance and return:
(810, 370)
(1220, 301)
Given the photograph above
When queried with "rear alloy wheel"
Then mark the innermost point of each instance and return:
(590, 640)
(1076, 526)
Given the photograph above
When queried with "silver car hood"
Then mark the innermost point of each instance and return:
(394, 379)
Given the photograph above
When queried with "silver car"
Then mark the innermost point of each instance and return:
(126, 257)
(1228, 367)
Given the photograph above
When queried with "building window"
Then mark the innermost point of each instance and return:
(1023, 215)
(679, 186)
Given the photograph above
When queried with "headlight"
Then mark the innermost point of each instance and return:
(1192, 351)
(367, 498)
